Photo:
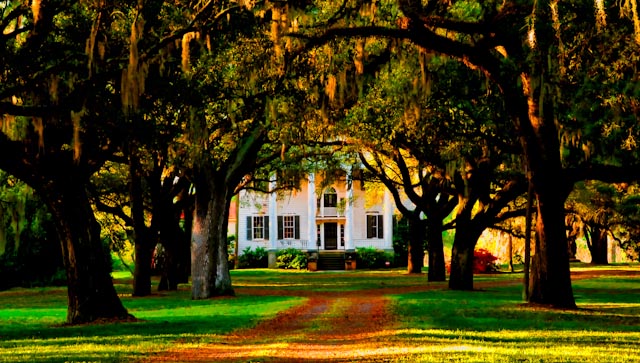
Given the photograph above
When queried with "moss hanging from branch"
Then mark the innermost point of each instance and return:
(35, 9)
(133, 77)
(629, 8)
(76, 117)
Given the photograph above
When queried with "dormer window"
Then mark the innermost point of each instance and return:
(330, 198)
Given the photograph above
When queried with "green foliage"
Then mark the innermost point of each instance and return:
(30, 253)
(370, 257)
(400, 242)
(291, 258)
(258, 258)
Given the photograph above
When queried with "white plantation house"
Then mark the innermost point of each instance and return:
(327, 221)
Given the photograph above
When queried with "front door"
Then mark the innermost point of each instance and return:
(331, 236)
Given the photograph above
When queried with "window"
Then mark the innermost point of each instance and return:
(257, 227)
(330, 198)
(289, 227)
(342, 235)
(374, 226)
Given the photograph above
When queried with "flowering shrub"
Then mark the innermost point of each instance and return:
(484, 261)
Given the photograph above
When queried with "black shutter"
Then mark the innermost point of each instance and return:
(249, 229)
(297, 227)
(280, 228)
(380, 227)
(266, 227)
(370, 226)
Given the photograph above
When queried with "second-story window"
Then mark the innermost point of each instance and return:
(330, 198)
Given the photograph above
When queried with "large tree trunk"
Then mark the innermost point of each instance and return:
(464, 243)
(143, 243)
(142, 269)
(461, 277)
(598, 238)
(550, 274)
(534, 116)
(90, 287)
(415, 249)
(437, 268)
(209, 258)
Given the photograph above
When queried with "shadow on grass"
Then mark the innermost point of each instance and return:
(36, 334)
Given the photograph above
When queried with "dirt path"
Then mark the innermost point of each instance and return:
(329, 327)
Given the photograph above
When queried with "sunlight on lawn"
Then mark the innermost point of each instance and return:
(436, 345)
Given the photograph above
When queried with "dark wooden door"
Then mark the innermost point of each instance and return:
(331, 236)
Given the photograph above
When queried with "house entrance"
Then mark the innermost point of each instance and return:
(330, 236)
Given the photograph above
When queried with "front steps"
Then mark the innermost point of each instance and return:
(328, 261)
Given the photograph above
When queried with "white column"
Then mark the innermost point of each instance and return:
(273, 214)
(388, 208)
(348, 213)
(311, 212)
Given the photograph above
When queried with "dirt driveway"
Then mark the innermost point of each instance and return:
(330, 327)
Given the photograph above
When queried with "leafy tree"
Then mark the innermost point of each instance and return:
(29, 251)
(517, 45)
(59, 110)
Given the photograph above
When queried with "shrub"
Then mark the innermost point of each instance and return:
(484, 261)
(369, 257)
(291, 258)
(254, 259)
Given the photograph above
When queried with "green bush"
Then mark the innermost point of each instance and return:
(369, 257)
(291, 258)
(254, 259)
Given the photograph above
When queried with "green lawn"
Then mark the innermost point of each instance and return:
(433, 326)
(31, 327)
(494, 326)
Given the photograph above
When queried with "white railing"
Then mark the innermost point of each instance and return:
(300, 244)
(329, 212)
(375, 243)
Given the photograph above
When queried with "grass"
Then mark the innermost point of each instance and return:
(432, 326)
(494, 326)
(32, 330)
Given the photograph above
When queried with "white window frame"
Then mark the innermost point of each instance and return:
(289, 226)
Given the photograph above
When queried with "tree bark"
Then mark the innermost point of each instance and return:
(464, 243)
(550, 274)
(143, 244)
(598, 246)
(209, 258)
(142, 269)
(415, 249)
(437, 268)
(90, 288)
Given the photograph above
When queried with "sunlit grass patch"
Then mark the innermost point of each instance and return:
(494, 325)
(437, 345)
(32, 333)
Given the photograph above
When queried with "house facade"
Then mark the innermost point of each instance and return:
(317, 217)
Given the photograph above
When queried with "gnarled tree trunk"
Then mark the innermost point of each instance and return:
(437, 268)
(415, 248)
(143, 243)
(597, 243)
(90, 287)
(209, 258)
(464, 243)
(550, 274)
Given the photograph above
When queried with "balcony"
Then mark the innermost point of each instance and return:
(329, 213)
